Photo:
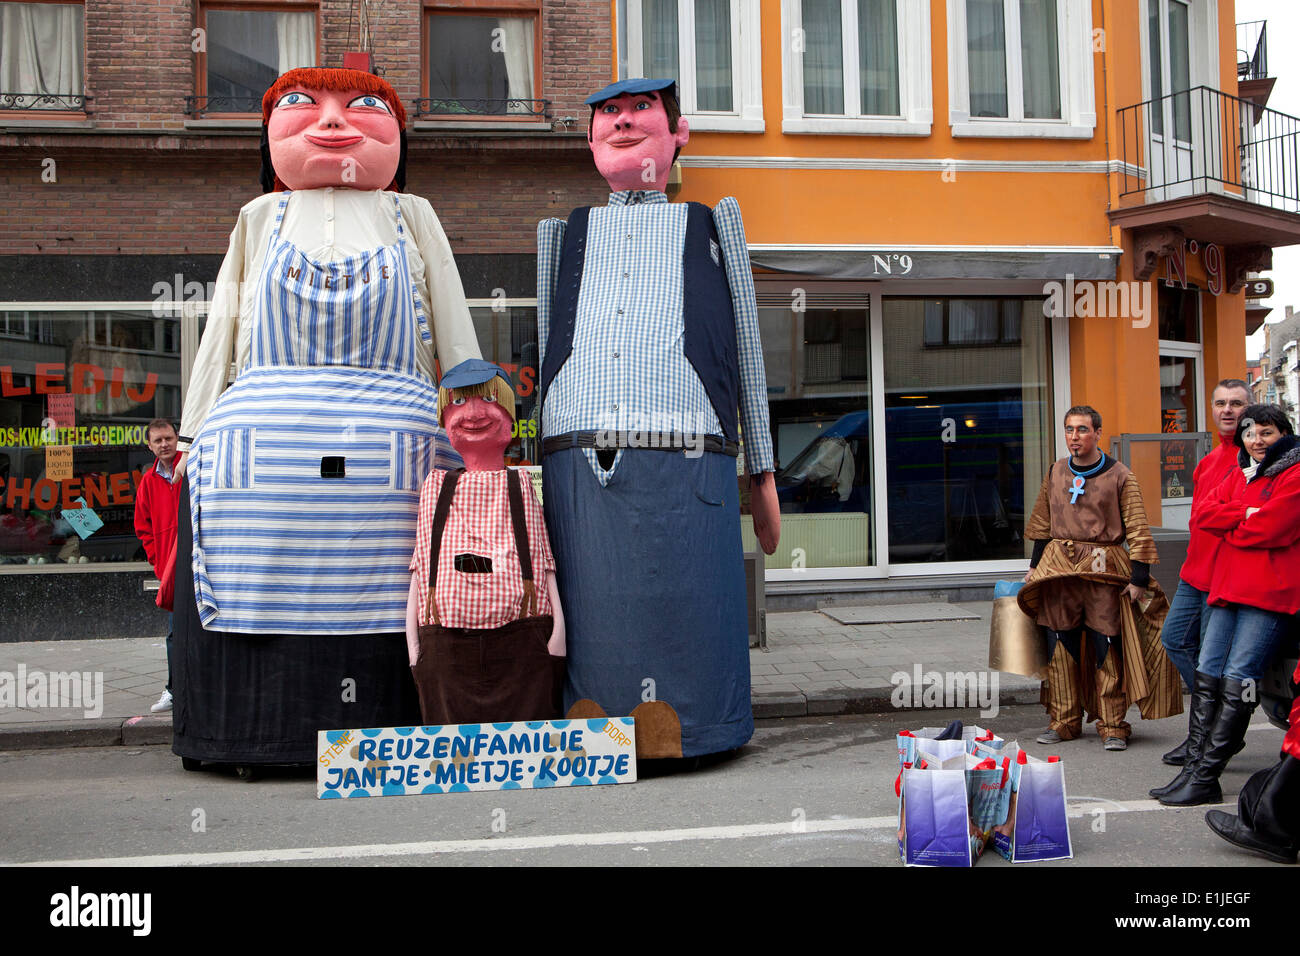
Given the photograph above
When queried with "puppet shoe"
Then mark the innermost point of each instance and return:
(658, 730)
(1237, 833)
(582, 709)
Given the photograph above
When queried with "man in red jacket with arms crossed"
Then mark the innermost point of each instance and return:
(157, 502)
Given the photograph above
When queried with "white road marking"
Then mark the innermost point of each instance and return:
(746, 831)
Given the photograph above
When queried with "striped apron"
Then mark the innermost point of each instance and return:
(305, 478)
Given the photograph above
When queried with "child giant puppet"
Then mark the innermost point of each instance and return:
(304, 475)
(649, 338)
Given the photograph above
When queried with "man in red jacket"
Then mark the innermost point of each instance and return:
(157, 502)
(1185, 624)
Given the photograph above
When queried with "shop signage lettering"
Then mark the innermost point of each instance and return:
(84, 379)
(44, 494)
(891, 263)
(395, 761)
(1211, 259)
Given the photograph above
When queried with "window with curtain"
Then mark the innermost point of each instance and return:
(709, 46)
(482, 63)
(997, 64)
(248, 49)
(850, 57)
(41, 48)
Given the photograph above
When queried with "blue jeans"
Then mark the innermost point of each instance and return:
(1184, 629)
(1241, 641)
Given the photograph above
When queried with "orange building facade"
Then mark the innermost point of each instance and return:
(965, 216)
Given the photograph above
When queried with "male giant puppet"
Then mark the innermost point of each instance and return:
(648, 331)
(304, 475)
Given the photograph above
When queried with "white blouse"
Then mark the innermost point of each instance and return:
(327, 225)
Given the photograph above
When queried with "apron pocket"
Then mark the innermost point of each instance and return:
(713, 471)
(412, 460)
(233, 458)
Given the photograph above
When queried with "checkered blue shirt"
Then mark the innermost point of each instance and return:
(628, 371)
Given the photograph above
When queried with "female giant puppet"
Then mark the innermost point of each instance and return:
(304, 475)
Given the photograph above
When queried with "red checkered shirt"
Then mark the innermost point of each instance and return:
(479, 523)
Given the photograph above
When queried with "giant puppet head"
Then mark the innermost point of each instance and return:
(477, 408)
(332, 127)
(636, 133)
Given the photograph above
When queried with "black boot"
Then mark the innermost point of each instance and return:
(1178, 756)
(1269, 813)
(1203, 710)
(1225, 738)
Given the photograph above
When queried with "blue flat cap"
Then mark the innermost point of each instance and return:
(472, 372)
(639, 85)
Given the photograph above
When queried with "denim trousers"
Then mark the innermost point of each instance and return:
(1184, 629)
(1240, 641)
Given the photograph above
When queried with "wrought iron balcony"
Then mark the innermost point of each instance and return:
(1252, 50)
(45, 102)
(470, 108)
(1203, 141)
(199, 106)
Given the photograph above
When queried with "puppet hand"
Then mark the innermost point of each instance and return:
(556, 645)
(765, 510)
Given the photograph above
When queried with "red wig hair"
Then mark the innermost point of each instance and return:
(323, 78)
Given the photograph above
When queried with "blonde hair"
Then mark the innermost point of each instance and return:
(496, 385)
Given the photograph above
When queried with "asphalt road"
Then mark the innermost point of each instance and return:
(806, 792)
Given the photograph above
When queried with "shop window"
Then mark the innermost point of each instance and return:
(818, 365)
(74, 402)
(969, 432)
(857, 66)
(507, 335)
(482, 62)
(711, 47)
(1021, 68)
(246, 50)
(41, 58)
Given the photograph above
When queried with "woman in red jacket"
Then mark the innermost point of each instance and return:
(1256, 589)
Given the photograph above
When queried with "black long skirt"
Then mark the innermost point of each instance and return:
(260, 699)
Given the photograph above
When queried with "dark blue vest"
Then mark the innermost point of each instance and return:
(709, 319)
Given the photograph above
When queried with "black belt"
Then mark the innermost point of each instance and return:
(650, 440)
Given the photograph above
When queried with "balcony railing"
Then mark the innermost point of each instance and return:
(1252, 50)
(468, 108)
(47, 102)
(198, 106)
(1204, 141)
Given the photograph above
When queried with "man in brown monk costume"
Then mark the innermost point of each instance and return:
(1083, 587)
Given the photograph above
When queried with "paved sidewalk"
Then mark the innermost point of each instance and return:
(812, 665)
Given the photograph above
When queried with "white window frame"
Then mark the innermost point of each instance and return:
(915, 97)
(746, 65)
(1074, 62)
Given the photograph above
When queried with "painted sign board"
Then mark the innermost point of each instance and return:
(522, 755)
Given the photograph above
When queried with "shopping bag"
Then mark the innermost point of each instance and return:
(934, 827)
(1036, 826)
(963, 739)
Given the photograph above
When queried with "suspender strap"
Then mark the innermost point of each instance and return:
(435, 538)
(531, 605)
